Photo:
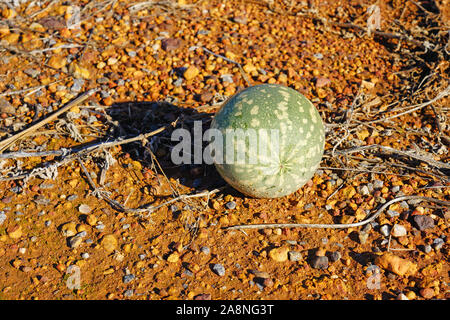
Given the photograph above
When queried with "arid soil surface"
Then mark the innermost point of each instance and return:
(86, 214)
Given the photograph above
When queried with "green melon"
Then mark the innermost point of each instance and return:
(291, 156)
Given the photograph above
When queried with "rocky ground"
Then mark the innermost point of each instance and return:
(87, 215)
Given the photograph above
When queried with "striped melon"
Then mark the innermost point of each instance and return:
(290, 141)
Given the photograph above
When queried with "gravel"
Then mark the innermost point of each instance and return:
(77, 85)
(392, 213)
(230, 205)
(218, 269)
(364, 190)
(423, 222)
(129, 293)
(378, 184)
(398, 231)
(320, 262)
(385, 230)
(335, 256)
(2, 217)
(227, 78)
(72, 197)
(128, 278)
(75, 242)
(85, 255)
(84, 208)
(294, 256)
(427, 248)
(438, 243)
(205, 250)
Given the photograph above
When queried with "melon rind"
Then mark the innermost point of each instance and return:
(301, 140)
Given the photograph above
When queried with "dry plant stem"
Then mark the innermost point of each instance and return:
(338, 226)
(416, 107)
(429, 160)
(85, 149)
(231, 61)
(7, 142)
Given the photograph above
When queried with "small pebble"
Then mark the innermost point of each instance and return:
(219, 269)
(128, 293)
(378, 184)
(77, 85)
(404, 205)
(85, 255)
(335, 256)
(81, 234)
(395, 189)
(2, 217)
(230, 205)
(392, 213)
(46, 186)
(48, 223)
(438, 243)
(84, 208)
(227, 78)
(294, 256)
(205, 250)
(402, 296)
(364, 190)
(398, 231)
(128, 278)
(142, 256)
(188, 273)
(32, 72)
(427, 293)
(320, 262)
(385, 230)
(100, 226)
(363, 236)
(318, 55)
(75, 242)
(423, 222)
(72, 197)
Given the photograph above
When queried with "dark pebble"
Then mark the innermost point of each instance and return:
(320, 262)
(203, 296)
(335, 256)
(170, 44)
(423, 222)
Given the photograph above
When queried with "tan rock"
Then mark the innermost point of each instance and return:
(57, 61)
(14, 232)
(173, 257)
(91, 220)
(191, 73)
(69, 229)
(279, 254)
(109, 242)
(396, 264)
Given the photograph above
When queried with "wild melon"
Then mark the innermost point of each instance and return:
(289, 141)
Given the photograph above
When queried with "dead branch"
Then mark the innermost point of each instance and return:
(337, 226)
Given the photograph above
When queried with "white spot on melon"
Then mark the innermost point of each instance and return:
(254, 110)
